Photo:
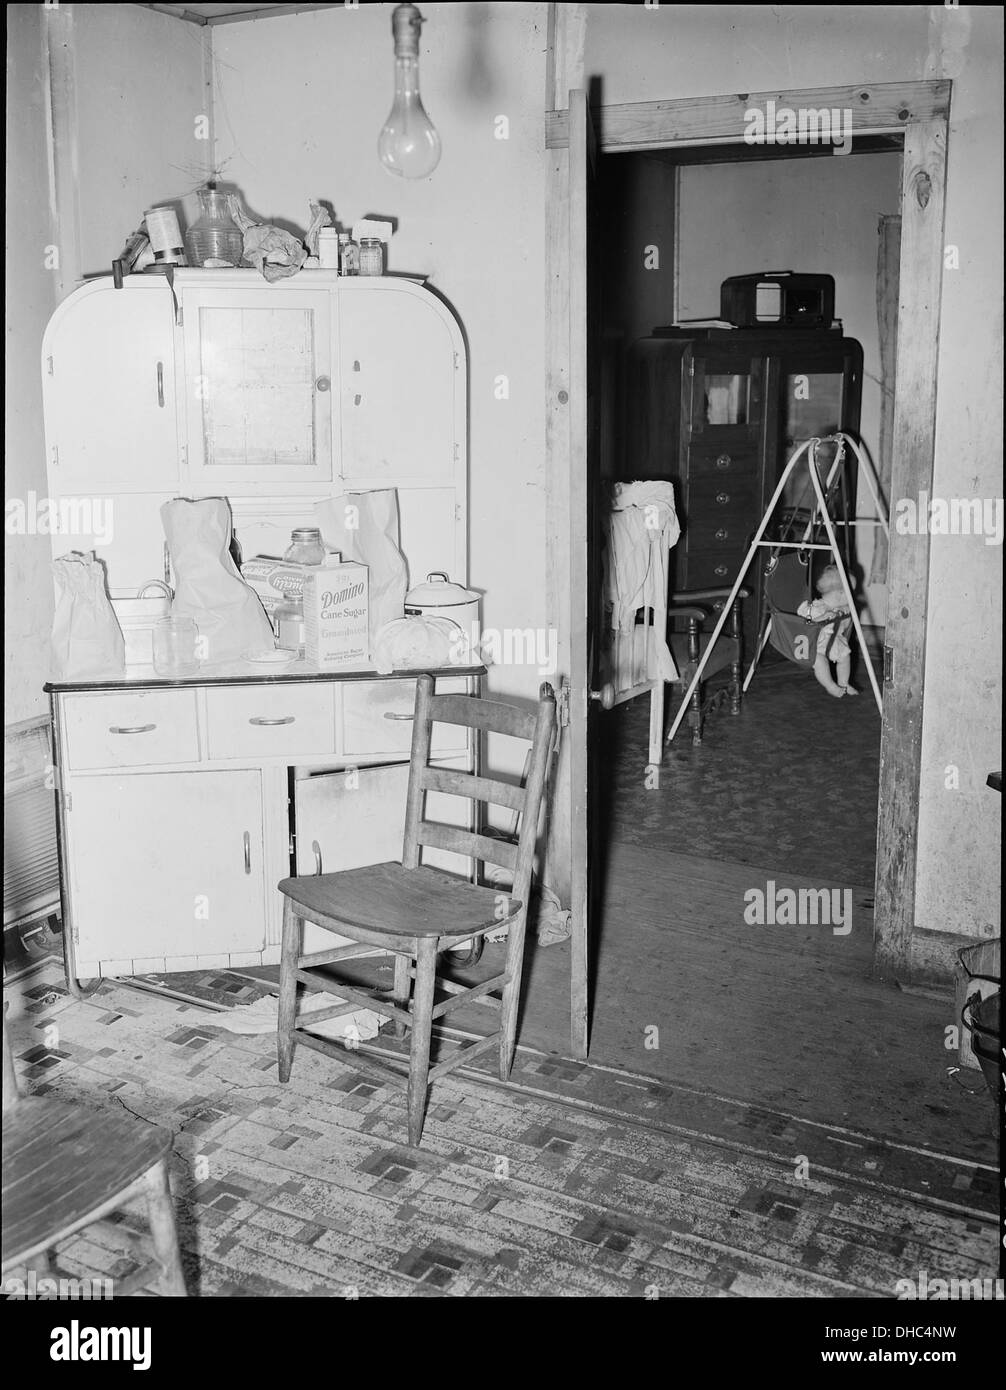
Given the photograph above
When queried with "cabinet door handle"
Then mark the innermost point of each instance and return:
(160, 384)
(268, 723)
(131, 729)
(390, 714)
(723, 461)
(316, 850)
(324, 383)
(246, 839)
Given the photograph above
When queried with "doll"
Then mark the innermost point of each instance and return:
(832, 642)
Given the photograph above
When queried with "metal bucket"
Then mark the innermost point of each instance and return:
(979, 974)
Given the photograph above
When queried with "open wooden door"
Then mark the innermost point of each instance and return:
(584, 438)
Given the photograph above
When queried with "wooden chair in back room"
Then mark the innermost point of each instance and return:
(415, 912)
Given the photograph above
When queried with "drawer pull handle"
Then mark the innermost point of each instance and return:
(722, 498)
(723, 461)
(246, 840)
(131, 728)
(390, 714)
(160, 384)
(316, 849)
(261, 723)
(722, 533)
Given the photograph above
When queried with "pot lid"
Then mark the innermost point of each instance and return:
(439, 591)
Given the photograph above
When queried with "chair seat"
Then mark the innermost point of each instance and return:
(62, 1164)
(392, 901)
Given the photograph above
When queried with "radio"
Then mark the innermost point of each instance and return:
(778, 299)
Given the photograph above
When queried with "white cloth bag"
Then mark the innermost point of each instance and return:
(86, 637)
(208, 587)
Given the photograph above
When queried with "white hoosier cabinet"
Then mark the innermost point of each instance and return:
(182, 803)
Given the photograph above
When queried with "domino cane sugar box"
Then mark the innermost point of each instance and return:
(336, 615)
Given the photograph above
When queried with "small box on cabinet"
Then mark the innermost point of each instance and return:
(337, 615)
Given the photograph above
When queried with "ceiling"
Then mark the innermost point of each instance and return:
(231, 14)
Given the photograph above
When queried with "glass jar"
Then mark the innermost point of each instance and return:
(306, 547)
(349, 255)
(371, 256)
(214, 239)
(174, 646)
(288, 618)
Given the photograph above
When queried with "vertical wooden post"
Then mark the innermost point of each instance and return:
(921, 276)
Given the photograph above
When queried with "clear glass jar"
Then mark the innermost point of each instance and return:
(288, 618)
(174, 646)
(214, 238)
(371, 256)
(306, 547)
(349, 255)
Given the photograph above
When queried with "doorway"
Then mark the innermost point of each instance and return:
(919, 111)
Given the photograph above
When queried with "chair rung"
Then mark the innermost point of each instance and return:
(352, 1057)
(379, 1006)
(323, 1015)
(459, 997)
(443, 779)
(466, 1055)
(333, 953)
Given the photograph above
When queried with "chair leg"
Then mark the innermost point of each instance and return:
(737, 665)
(422, 1022)
(401, 991)
(161, 1215)
(511, 995)
(290, 952)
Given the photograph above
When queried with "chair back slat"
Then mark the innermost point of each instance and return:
(491, 789)
(488, 716)
(467, 842)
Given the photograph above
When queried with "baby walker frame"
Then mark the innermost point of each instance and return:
(808, 453)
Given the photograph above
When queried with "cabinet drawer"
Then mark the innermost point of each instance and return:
(263, 720)
(712, 569)
(719, 497)
(722, 461)
(130, 728)
(377, 719)
(717, 533)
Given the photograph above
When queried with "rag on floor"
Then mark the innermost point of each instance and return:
(262, 1016)
(642, 526)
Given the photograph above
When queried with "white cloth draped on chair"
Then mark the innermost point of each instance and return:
(640, 528)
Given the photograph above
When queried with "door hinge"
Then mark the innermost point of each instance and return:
(888, 665)
(562, 706)
(55, 456)
(68, 801)
(457, 362)
(49, 362)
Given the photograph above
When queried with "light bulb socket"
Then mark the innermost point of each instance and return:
(406, 25)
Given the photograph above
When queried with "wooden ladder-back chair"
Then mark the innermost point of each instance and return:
(66, 1167)
(415, 912)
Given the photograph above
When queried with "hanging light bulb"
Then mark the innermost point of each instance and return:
(409, 145)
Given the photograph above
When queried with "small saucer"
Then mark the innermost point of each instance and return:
(279, 656)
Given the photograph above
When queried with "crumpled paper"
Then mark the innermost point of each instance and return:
(273, 252)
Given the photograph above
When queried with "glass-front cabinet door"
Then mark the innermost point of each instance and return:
(258, 386)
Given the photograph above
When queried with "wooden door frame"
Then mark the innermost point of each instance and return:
(920, 112)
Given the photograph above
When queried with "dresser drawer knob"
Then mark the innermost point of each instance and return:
(722, 533)
(261, 723)
(723, 461)
(720, 571)
(131, 728)
(722, 498)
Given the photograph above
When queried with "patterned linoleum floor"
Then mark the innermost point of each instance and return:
(555, 1186)
(790, 780)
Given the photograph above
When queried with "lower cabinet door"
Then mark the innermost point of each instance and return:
(166, 870)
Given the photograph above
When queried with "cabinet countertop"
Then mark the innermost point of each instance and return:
(247, 673)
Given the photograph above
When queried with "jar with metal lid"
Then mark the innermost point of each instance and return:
(306, 547)
(288, 620)
(349, 255)
(371, 256)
